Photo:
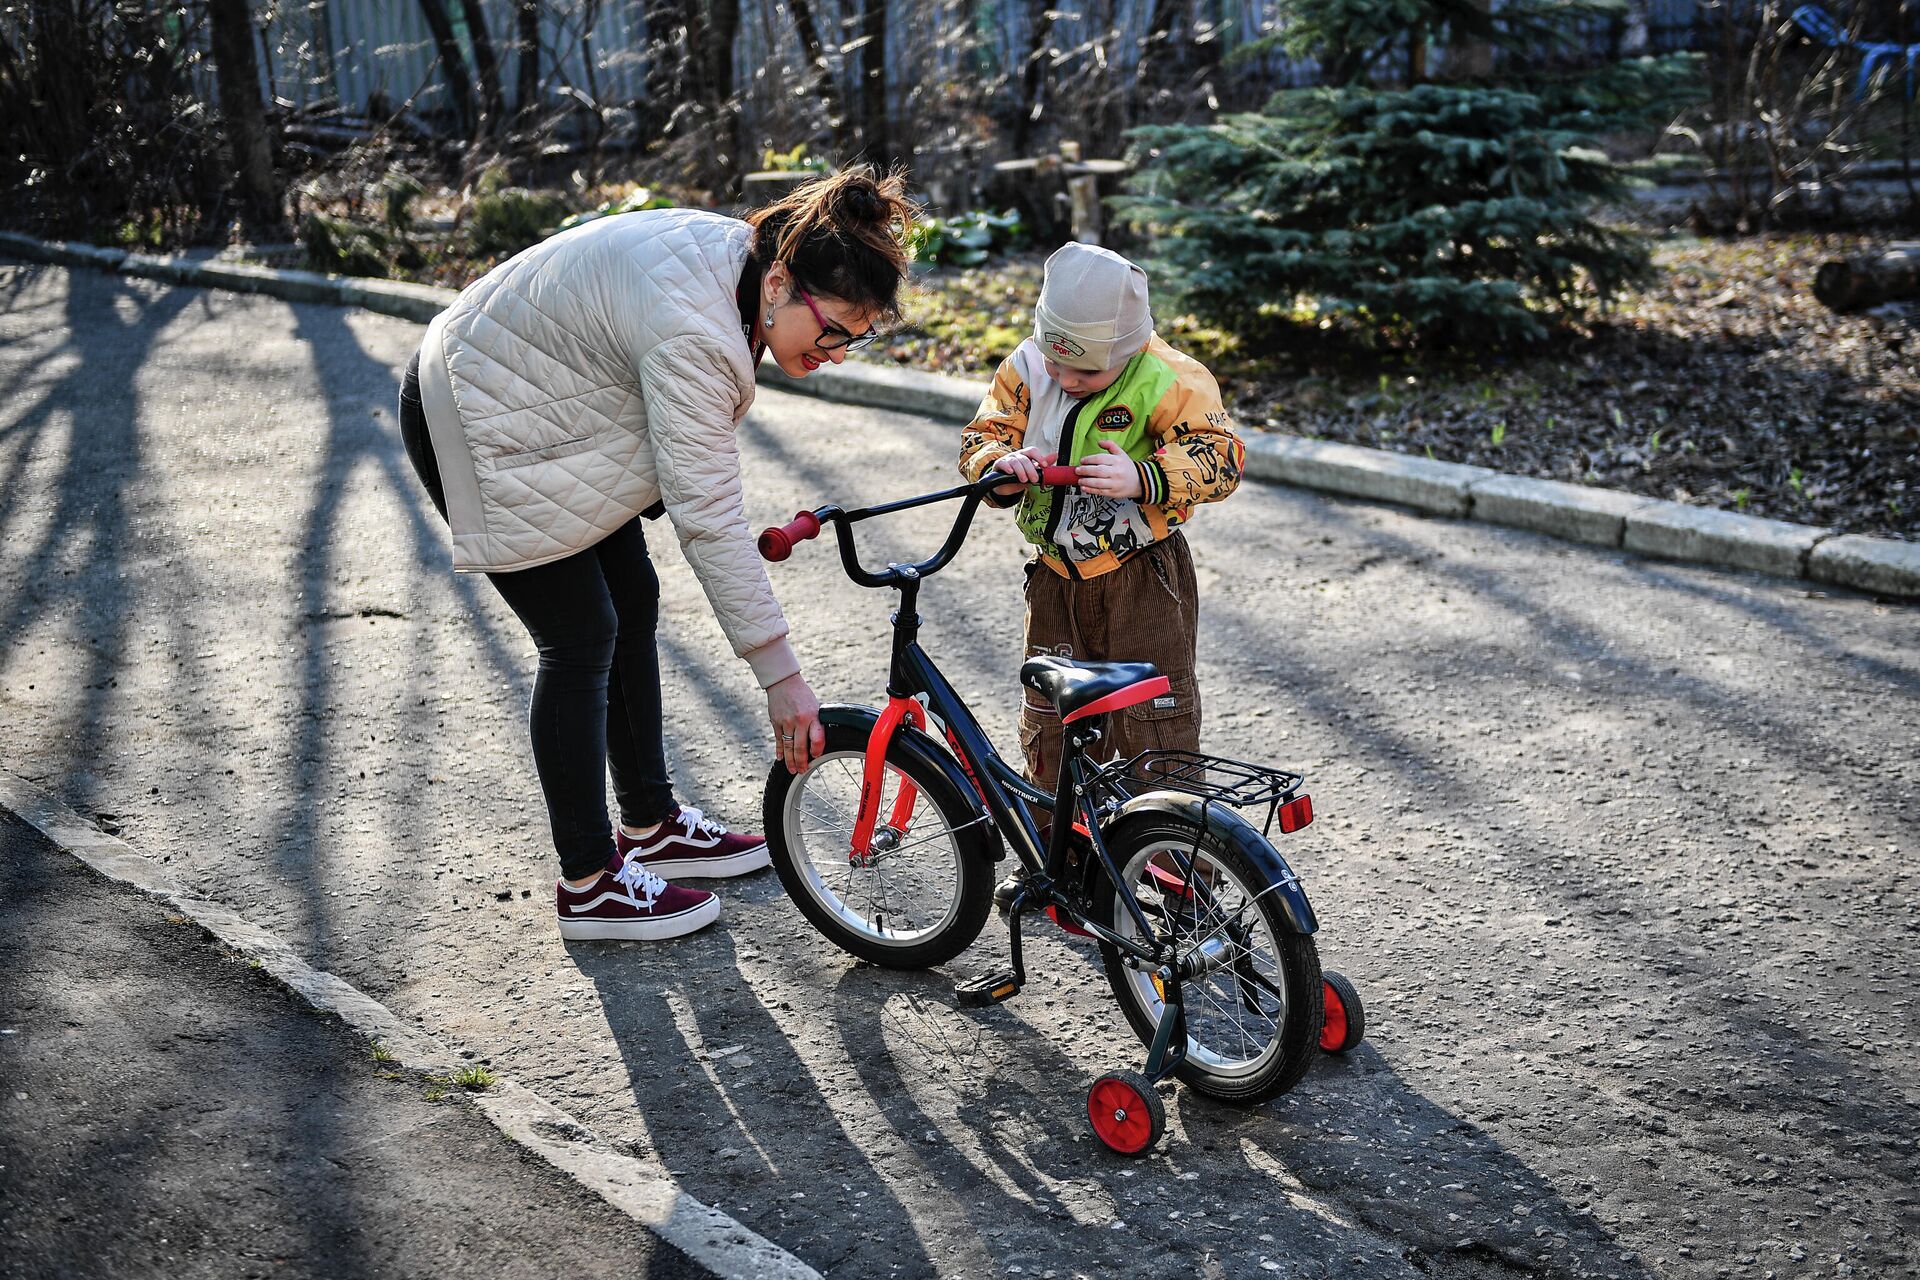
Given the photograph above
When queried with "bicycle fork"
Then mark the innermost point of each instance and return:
(873, 780)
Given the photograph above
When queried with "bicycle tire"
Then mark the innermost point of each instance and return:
(1293, 986)
(862, 929)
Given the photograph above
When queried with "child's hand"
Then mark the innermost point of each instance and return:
(1026, 465)
(1111, 474)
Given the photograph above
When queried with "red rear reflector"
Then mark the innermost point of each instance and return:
(1296, 813)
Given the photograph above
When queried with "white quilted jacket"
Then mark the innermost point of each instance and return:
(580, 382)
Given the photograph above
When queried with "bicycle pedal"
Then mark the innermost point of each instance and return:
(988, 988)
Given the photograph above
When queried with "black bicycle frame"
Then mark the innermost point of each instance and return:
(1007, 794)
(1001, 787)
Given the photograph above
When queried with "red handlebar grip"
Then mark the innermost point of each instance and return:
(1059, 476)
(777, 543)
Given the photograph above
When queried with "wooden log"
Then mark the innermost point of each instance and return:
(1082, 178)
(1088, 226)
(770, 185)
(1856, 284)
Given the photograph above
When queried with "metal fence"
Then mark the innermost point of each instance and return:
(352, 51)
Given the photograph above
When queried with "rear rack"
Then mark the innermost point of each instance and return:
(1214, 779)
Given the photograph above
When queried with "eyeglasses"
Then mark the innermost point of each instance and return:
(832, 336)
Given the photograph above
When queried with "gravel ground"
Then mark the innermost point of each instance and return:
(1618, 851)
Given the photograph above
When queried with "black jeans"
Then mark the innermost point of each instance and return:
(596, 698)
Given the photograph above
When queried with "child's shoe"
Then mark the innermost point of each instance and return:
(687, 845)
(630, 903)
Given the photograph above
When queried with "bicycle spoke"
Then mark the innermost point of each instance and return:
(1236, 1009)
(1251, 1045)
(941, 834)
(892, 893)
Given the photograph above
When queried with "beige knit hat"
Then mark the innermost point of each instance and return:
(1092, 312)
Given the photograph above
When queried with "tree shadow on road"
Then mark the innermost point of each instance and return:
(909, 1125)
(717, 1085)
(78, 562)
(1354, 1166)
(1673, 982)
(81, 568)
(359, 393)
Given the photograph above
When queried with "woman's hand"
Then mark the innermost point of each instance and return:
(1024, 464)
(795, 714)
(1111, 474)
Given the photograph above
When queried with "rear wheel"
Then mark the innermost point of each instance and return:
(1253, 1002)
(921, 896)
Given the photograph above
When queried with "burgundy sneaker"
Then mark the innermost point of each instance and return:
(630, 903)
(689, 845)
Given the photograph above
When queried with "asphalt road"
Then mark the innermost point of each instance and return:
(1618, 851)
(168, 1111)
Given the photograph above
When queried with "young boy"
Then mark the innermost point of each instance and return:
(1113, 580)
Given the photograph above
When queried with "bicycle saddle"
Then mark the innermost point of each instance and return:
(1081, 689)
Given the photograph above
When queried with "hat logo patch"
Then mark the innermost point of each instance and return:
(1118, 418)
(1064, 345)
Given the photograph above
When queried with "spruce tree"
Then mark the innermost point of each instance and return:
(1460, 211)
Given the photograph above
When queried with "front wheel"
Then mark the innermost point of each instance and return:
(920, 897)
(1253, 1002)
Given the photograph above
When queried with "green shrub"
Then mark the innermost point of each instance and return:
(340, 246)
(640, 199)
(398, 191)
(504, 219)
(794, 161)
(1463, 212)
(967, 239)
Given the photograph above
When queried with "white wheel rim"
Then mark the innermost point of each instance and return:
(1225, 1035)
(908, 894)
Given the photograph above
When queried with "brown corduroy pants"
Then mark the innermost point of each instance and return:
(1147, 610)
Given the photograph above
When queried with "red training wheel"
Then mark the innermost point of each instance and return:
(1126, 1114)
(1345, 1020)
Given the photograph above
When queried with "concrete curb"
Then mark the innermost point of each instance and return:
(1599, 517)
(642, 1190)
(1437, 488)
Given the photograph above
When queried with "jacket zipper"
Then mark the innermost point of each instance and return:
(1067, 431)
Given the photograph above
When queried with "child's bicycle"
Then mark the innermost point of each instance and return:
(888, 843)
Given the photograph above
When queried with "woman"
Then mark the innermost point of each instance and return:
(594, 380)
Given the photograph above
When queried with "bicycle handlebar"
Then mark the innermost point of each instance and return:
(777, 543)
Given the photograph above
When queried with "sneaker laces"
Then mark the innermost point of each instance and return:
(697, 821)
(645, 886)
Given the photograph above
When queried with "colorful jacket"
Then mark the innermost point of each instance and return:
(1164, 411)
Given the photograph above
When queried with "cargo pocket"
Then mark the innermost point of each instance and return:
(1040, 744)
(1170, 722)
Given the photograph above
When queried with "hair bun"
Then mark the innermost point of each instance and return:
(844, 235)
(861, 201)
